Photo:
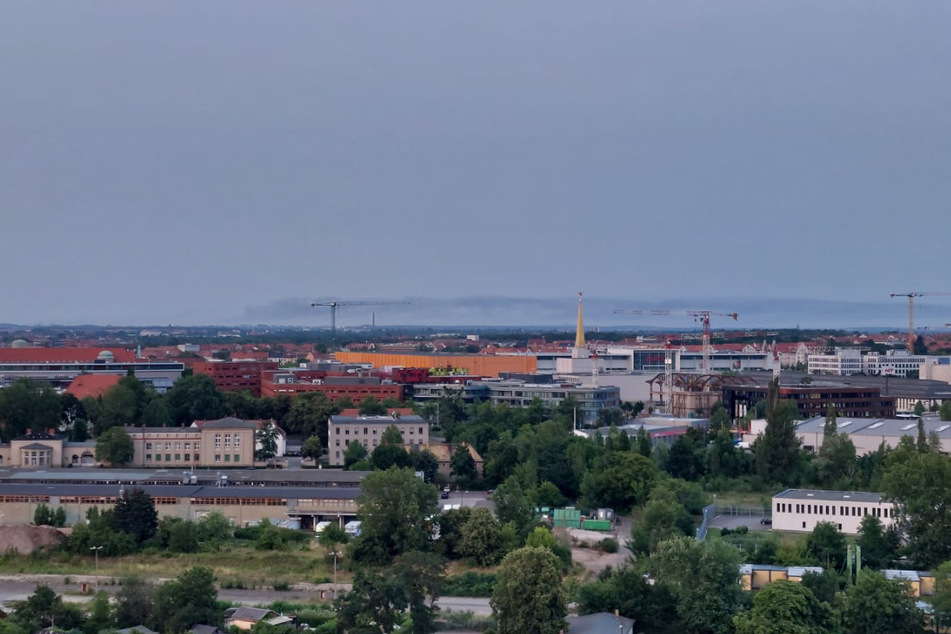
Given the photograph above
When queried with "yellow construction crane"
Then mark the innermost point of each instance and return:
(911, 311)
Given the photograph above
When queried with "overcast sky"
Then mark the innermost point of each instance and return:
(228, 161)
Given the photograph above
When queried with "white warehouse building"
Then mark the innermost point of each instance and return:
(799, 510)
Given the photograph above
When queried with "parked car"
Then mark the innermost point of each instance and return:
(444, 495)
(766, 521)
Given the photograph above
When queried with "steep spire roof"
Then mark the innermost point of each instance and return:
(579, 333)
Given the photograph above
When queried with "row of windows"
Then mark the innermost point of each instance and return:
(830, 509)
(24, 498)
(367, 431)
(168, 446)
(168, 457)
(228, 438)
(237, 457)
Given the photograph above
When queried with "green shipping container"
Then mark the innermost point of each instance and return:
(597, 525)
(567, 518)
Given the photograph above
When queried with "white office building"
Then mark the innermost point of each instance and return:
(799, 510)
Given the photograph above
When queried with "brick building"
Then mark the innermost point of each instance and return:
(235, 376)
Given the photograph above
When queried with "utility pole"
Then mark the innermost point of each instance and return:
(96, 550)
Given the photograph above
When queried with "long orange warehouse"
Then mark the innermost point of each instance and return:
(476, 364)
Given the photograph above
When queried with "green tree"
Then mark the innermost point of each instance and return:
(481, 538)
(777, 450)
(156, 413)
(876, 605)
(135, 514)
(42, 516)
(118, 408)
(195, 397)
(628, 591)
(389, 455)
(704, 579)
(618, 481)
(397, 511)
(379, 599)
(188, 600)
(528, 595)
(422, 577)
(214, 530)
(369, 406)
(879, 545)
(836, 462)
(312, 448)
(462, 466)
(115, 446)
(28, 404)
(332, 536)
(44, 608)
(719, 418)
(920, 347)
(941, 600)
(266, 441)
(59, 516)
(785, 607)
(662, 519)
(919, 484)
(919, 408)
(512, 505)
(78, 431)
(450, 531)
(355, 453)
(425, 461)
(944, 412)
(392, 436)
(100, 615)
(827, 545)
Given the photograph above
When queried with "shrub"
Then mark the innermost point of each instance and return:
(281, 586)
(609, 545)
(470, 584)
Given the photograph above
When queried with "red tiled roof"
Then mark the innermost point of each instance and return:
(92, 385)
(62, 355)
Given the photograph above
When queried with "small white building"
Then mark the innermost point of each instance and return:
(799, 510)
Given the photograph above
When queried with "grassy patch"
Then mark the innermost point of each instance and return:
(234, 567)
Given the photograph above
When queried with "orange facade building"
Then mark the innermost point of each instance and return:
(482, 365)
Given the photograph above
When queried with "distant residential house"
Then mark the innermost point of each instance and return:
(245, 618)
(136, 629)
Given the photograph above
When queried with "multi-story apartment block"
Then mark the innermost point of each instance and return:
(368, 431)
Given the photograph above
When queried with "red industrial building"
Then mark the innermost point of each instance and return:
(235, 376)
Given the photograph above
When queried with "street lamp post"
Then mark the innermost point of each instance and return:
(335, 554)
(96, 550)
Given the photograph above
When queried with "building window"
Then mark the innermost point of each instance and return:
(237, 457)
(237, 441)
(197, 447)
(227, 457)
(168, 446)
(188, 446)
(148, 445)
(188, 457)
(168, 457)
(178, 457)
(178, 445)
(217, 440)
(158, 457)
(227, 440)
(148, 457)
(217, 457)
(196, 457)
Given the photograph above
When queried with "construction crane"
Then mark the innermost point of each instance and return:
(911, 311)
(703, 316)
(334, 305)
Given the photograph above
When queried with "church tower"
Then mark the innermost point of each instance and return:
(579, 351)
